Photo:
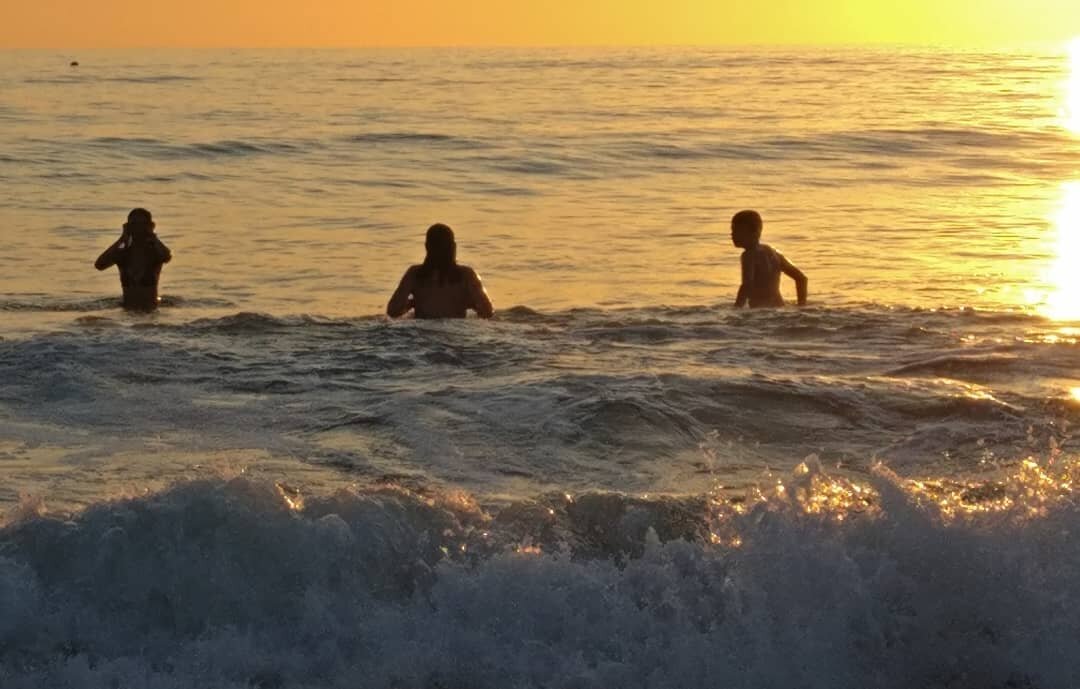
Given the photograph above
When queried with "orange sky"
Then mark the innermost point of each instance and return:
(70, 24)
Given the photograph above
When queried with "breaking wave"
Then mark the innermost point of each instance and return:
(820, 583)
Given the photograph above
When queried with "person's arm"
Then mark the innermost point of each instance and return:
(796, 275)
(747, 280)
(110, 256)
(481, 303)
(401, 301)
(163, 252)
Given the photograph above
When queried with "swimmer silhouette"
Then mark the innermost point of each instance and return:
(761, 265)
(139, 255)
(439, 287)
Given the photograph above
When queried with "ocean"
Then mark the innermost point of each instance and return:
(620, 481)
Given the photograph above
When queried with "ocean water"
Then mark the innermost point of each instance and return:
(620, 481)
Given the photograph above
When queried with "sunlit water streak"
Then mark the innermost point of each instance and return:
(1072, 89)
(1064, 301)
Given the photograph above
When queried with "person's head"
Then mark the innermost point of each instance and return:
(139, 222)
(441, 247)
(746, 229)
(441, 253)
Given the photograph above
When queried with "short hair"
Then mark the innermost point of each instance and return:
(141, 216)
(750, 220)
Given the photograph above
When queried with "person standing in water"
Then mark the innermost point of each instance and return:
(139, 255)
(439, 287)
(761, 265)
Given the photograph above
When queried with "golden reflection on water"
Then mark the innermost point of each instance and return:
(1030, 489)
(1072, 91)
(291, 497)
(1063, 303)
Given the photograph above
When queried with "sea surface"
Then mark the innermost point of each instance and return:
(620, 481)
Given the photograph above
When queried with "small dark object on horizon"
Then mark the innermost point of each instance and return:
(74, 63)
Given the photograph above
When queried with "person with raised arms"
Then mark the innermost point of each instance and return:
(139, 255)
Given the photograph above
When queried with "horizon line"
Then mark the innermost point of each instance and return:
(1044, 43)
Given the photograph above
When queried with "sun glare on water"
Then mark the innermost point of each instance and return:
(1072, 93)
(1064, 302)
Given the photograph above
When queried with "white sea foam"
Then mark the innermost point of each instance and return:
(229, 584)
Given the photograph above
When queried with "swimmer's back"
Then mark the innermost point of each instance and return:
(448, 296)
(765, 285)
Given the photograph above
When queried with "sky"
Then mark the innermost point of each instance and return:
(72, 24)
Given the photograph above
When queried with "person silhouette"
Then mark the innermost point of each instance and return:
(440, 287)
(761, 265)
(139, 255)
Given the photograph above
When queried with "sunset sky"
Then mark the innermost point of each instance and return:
(61, 24)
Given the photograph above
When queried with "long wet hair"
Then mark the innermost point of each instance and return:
(441, 256)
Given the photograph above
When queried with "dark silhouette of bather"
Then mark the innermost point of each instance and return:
(439, 287)
(139, 255)
(761, 265)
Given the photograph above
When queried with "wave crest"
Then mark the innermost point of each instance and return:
(245, 583)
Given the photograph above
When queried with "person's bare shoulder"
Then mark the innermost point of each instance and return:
(481, 303)
(468, 272)
(771, 253)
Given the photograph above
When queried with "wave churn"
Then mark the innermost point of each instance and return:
(815, 582)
